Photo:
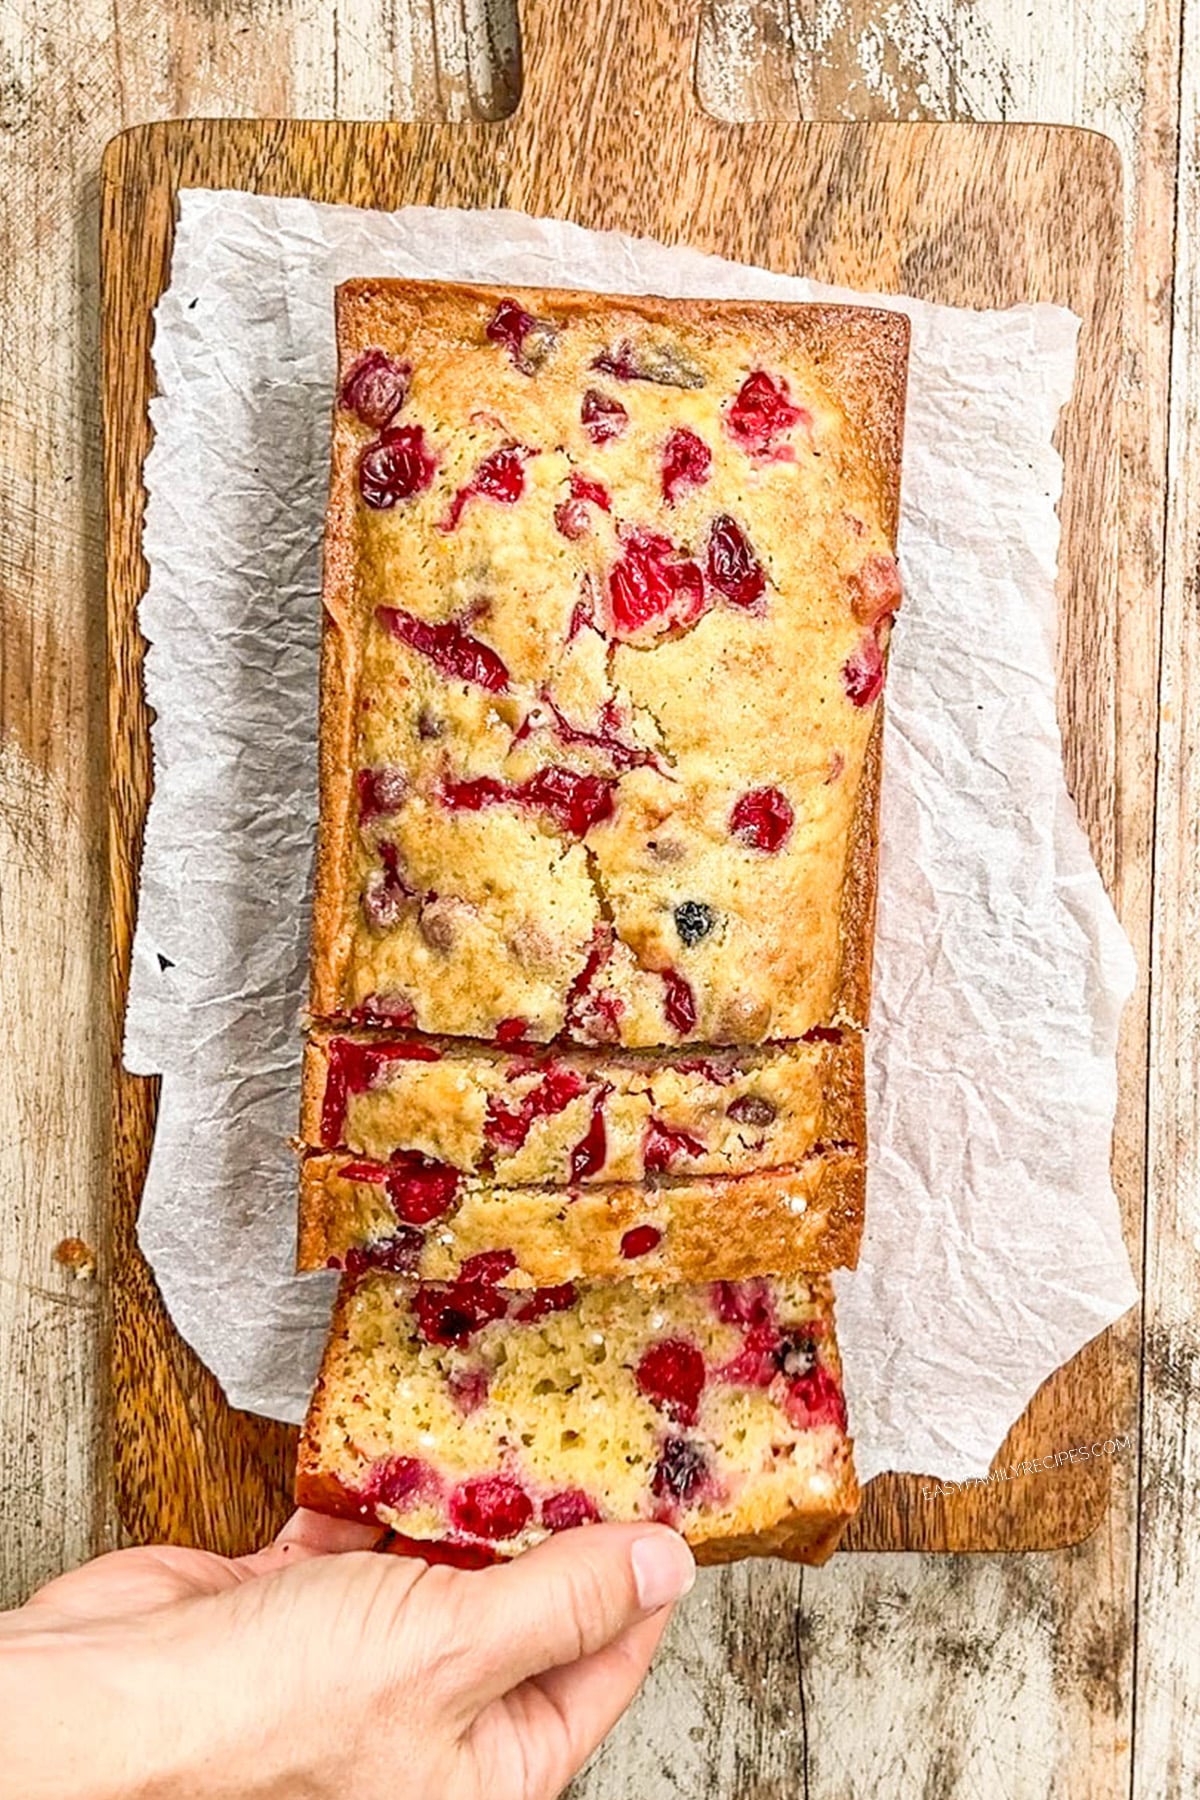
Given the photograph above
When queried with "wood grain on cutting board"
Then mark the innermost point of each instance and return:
(608, 133)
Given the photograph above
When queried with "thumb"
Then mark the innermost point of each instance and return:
(567, 1599)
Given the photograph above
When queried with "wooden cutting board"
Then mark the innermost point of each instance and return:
(608, 133)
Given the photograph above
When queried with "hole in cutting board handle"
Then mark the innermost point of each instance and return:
(579, 58)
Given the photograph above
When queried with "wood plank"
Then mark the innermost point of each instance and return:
(915, 193)
(1167, 1702)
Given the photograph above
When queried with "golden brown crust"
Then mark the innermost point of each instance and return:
(335, 738)
(726, 1228)
(804, 1537)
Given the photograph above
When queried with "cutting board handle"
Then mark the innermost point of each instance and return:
(581, 59)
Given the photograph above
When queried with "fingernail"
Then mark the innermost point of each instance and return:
(663, 1569)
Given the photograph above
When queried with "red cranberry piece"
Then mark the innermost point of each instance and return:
(472, 796)
(732, 566)
(650, 585)
(681, 1471)
(761, 412)
(602, 417)
(591, 1015)
(395, 467)
(742, 1302)
(448, 647)
(491, 1506)
(679, 1004)
(500, 477)
(512, 1031)
(508, 325)
(875, 591)
(535, 1305)
(582, 617)
(687, 461)
(562, 1512)
(352, 1068)
(571, 515)
(752, 1109)
(599, 951)
(451, 1313)
(386, 890)
(594, 492)
(380, 792)
(755, 1364)
(815, 1399)
(488, 1266)
(575, 802)
(640, 1240)
(662, 1146)
(376, 388)
(528, 339)
(395, 1480)
(508, 1126)
(671, 1376)
(862, 673)
(469, 1389)
(587, 1158)
(822, 1034)
(399, 1254)
(420, 1189)
(762, 819)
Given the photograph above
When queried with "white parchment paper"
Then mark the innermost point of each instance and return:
(993, 1247)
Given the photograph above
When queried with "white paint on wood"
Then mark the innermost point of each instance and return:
(1071, 64)
(1167, 1759)
(54, 1103)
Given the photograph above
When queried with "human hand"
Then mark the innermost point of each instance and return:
(315, 1670)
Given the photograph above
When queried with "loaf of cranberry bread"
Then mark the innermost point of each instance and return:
(478, 1420)
(608, 588)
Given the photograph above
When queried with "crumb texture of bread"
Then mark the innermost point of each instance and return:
(470, 1415)
(562, 1116)
(608, 590)
(357, 1214)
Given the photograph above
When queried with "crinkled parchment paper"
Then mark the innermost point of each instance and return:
(993, 1247)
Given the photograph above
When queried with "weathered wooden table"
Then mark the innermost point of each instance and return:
(1072, 1674)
